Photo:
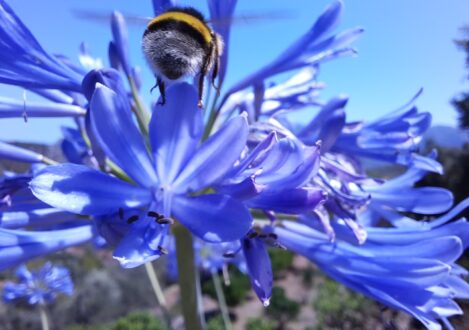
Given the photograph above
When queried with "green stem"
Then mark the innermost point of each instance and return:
(155, 284)
(212, 118)
(222, 301)
(143, 116)
(187, 277)
(44, 319)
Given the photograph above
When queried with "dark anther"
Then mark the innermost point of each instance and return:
(228, 255)
(262, 235)
(161, 219)
(121, 213)
(132, 219)
(162, 249)
(155, 215)
(273, 236)
(253, 234)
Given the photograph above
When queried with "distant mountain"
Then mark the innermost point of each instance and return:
(445, 136)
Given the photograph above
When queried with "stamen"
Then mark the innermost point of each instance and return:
(165, 221)
(162, 250)
(161, 219)
(273, 236)
(154, 215)
(229, 254)
(253, 234)
(25, 115)
(132, 219)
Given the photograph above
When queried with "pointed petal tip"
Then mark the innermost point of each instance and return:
(132, 263)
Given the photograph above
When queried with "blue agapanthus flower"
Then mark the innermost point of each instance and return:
(244, 172)
(39, 286)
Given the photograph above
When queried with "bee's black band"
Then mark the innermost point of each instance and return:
(183, 27)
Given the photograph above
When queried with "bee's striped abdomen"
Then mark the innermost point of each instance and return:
(184, 22)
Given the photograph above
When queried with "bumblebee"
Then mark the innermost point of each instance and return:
(179, 44)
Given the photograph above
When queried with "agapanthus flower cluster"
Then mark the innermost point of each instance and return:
(242, 173)
(39, 286)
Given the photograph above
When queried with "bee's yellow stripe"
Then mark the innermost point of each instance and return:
(186, 18)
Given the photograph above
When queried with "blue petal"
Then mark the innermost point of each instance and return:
(107, 77)
(327, 125)
(308, 50)
(140, 244)
(11, 152)
(282, 160)
(214, 218)
(82, 190)
(259, 268)
(298, 176)
(245, 189)
(120, 37)
(175, 131)
(35, 217)
(256, 155)
(221, 13)
(19, 246)
(73, 146)
(214, 158)
(11, 108)
(425, 200)
(160, 6)
(290, 201)
(120, 138)
(24, 62)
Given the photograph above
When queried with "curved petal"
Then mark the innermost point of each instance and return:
(120, 37)
(259, 268)
(425, 200)
(79, 189)
(25, 63)
(214, 158)
(175, 131)
(11, 108)
(214, 218)
(12, 152)
(35, 217)
(141, 244)
(17, 246)
(291, 201)
(160, 6)
(119, 136)
(248, 188)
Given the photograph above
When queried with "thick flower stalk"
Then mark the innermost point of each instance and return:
(241, 173)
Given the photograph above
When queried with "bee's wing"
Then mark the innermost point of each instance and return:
(253, 18)
(104, 17)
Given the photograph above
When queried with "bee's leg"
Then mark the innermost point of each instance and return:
(203, 73)
(216, 66)
(200, 104)
(160, 84)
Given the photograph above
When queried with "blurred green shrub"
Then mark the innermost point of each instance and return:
(339, 308)
(235, 293)
(280, 259)
(132, 321)
(259, 324)
(281, 308)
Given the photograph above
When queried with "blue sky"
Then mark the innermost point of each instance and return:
(407, 44)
